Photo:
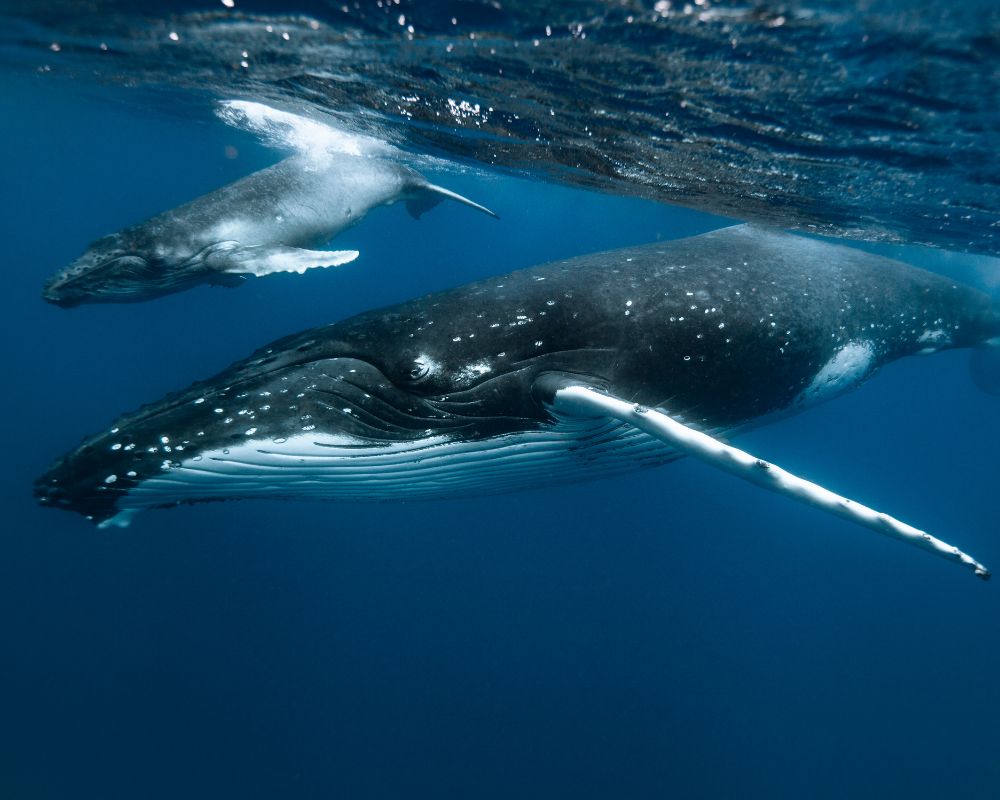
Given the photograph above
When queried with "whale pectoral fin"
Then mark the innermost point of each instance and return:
(568, 396)
(263, 260)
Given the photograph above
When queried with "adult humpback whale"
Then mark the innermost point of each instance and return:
(566, 371)
(258, 225)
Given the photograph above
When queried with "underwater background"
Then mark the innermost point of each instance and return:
(673, 632)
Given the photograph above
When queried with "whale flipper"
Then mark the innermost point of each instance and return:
(263, 260)
(572, 398)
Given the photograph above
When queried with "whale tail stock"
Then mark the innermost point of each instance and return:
(430, 195)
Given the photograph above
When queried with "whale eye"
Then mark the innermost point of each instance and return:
(415, 370)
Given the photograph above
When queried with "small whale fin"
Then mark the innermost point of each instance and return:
(418, 206)
(984, 365)
(263, 260)
(423, 203)
(567, 395)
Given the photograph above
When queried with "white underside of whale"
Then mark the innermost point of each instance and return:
(334, 467)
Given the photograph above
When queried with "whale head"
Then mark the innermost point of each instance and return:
(110, 271)
(355, 410)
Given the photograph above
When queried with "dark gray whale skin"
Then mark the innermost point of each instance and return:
(722, 331)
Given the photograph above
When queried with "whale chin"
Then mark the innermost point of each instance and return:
(55, 291)
(71, 299)
(60, 300)
(96, 278)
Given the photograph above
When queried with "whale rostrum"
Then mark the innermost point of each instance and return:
(568, 371)
(265, 223)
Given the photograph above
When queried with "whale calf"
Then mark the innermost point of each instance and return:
(567, 371)
(264, 223)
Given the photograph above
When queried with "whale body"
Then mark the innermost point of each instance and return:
(262, 224)
(510, 382)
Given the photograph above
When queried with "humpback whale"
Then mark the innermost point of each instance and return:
(259, 225)
(567, 371)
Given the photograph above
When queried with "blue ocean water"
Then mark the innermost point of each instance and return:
(668, 633)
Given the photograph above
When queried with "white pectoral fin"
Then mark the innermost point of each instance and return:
(571, 398)
(268, 259)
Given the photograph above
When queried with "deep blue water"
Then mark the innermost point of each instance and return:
(669, 633)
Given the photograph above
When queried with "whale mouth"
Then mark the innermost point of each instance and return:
(51, 295)
(58, 290)
(110, 280)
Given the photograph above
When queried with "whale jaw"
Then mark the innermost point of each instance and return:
(331, 466)
(99, 278)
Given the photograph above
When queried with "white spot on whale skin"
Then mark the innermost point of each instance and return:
(472, 371)
(934, 341)
(848, 367)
